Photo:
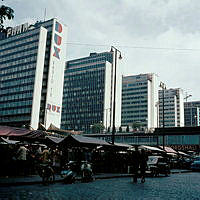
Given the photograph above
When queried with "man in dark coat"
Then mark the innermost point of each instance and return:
(143, 165)
(135, 163)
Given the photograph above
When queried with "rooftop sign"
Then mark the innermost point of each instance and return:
(16, 30)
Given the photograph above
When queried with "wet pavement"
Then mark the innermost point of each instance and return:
(178, 186)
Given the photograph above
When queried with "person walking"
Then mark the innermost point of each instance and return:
(45, 155)
(135, 164)
(143, 165)
(22, 159)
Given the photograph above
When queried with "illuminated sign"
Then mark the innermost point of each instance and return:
(18, 29)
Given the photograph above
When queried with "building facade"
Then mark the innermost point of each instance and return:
(139, 97)
(173, 108)
(191, 113)
(32, 61)
(88, 92)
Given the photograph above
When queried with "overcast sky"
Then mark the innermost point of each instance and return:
(154, 36)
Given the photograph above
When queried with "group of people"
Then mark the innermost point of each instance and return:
(139, 163)
(24, 159)
(29, 155)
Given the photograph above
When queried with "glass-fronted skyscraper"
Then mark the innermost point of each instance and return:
(192, 113)
(32, 60)
(88, 92)
(173, 108)
(139, 97)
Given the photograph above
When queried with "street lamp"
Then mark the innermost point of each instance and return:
(195, 120)
(107, 109)
(187, 96)
(163, 86)
(91, 128)
(115, 51)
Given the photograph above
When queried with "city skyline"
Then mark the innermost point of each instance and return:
(164, 41)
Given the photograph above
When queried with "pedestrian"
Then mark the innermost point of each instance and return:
(45, 155)
(56, 160)
(143, 165)
(135, 163)
(22, 158)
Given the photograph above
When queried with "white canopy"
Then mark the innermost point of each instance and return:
(150, 148)
(9, 141)
(168, 149)
(182, 153)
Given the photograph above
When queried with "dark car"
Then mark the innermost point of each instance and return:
(195, 165)
(158, 165)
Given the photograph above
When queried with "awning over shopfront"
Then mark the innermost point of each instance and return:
(54, 129)
(6, 131)
(123, 145)
(55, 140)
(81, 141)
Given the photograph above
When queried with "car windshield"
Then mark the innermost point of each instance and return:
(152, 160)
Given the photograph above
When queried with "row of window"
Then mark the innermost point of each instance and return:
(19, 60)
(134, 111)
(19, 49)
(15, 118)
(16, 111)
(18, 39)
(97, 58)
(135, 93)
(85, 68)
(16, 67)
(124, 85)
(12, 77)
(21, 82)
(18, 56)
(10, 98)
(15, 105)
(132, 89)
(16, 95)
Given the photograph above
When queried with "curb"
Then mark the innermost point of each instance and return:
(78, 179)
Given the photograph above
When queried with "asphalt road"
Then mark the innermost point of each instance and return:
(183, 186)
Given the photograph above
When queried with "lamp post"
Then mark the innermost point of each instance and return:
(107, 109)
(163, 86)
(115, 51)
(195, 120)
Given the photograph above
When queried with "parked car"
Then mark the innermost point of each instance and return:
(195, 165)
(158, 165)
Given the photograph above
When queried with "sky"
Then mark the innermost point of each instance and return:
(154, 36)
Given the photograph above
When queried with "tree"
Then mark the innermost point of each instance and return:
(136, 125)
(5, 13)
(98, 128)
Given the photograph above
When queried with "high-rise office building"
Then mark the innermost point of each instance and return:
(32, 62)
(173, 108)
(192, 113)
(139, 97)
(88, 92)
